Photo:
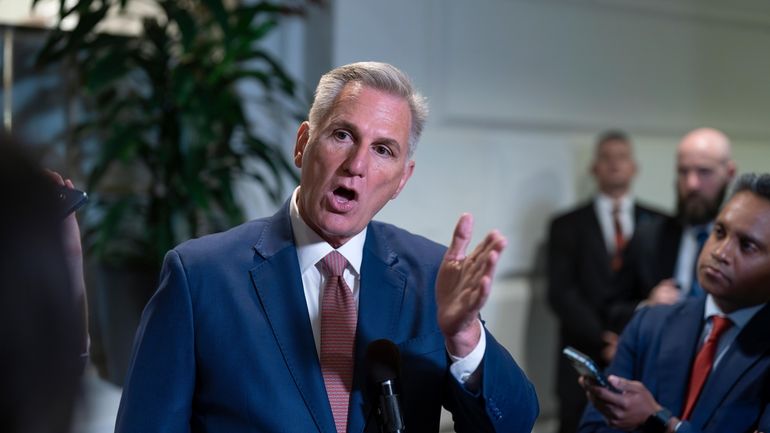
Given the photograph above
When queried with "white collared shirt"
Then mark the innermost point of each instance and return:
(311, 248)
(688, 254)
(603, 205)
(740, 319)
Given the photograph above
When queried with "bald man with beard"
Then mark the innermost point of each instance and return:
(660, 265)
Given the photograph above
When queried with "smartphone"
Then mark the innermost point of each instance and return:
(70, 200)
(586, 366)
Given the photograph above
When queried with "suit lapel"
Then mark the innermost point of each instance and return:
(379, 308)
(278, 284)
(749, 347)
(669, 247)
(594, 237)
(677, 351)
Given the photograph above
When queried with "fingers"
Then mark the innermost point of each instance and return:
(55, 176)
(460, 238)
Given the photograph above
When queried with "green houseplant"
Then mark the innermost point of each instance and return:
(165, 139)
(169, 133)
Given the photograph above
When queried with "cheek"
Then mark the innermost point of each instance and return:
(755, 278)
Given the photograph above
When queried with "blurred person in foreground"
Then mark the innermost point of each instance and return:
(263, 328)
(42, 299)
(661, 263)
(586, 247)
(701, 365)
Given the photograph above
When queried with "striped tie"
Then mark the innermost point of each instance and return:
(338, 331)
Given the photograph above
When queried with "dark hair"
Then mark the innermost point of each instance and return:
(759, 184)
(612, 135)
(40, 324)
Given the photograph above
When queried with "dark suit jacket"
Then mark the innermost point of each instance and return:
(225, 345)
(658, 348)
(580, 277)
(651, 258)
(580, 291)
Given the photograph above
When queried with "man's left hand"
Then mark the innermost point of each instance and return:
(463, 286)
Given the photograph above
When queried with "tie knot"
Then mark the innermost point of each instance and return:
(719, 324)
(616, 208)
(333, 264)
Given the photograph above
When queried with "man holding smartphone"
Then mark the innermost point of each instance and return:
(702, 365)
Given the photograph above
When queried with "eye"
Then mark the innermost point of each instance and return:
(705, 172)
(747, 246)
(341, 135)
(381, 149)
(718, 232)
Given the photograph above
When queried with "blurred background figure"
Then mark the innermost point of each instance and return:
(662, 258)
(42, 327)
(586, 248)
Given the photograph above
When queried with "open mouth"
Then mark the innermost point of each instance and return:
(344, 194)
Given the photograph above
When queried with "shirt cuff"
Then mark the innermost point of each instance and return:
(465, 369)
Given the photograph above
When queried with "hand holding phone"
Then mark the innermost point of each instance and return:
(70, 200)
(586, 366)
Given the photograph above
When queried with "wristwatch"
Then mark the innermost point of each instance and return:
(657, 422)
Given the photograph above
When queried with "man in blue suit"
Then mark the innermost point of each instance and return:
(231, 340)
(702, 365)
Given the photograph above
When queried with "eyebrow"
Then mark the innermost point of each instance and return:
(344, 124)
(741, 235)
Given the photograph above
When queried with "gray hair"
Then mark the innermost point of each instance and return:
(376, 75)
(758, 184)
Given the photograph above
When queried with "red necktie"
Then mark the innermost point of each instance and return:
(703, 362)
(620, 241)
(338, 332)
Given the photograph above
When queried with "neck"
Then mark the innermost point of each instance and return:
(614, 193)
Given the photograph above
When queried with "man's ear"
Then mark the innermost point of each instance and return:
(731, 169)
(408, 170)
(303, 135)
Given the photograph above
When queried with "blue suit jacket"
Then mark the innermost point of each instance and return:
(658, 348)
(225, 345)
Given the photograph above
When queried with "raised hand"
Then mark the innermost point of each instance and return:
(463, 286)
(73, 250)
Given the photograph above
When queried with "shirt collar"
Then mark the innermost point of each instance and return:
(694, 230)
(606, 202)
(311, 247)
(739, 317)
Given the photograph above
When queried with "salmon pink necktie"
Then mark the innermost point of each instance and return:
(338, 331)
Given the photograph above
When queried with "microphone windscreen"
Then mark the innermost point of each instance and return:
(383, 360)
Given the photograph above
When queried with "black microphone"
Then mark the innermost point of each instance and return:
(383, 366)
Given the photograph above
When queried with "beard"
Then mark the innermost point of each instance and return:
(696, 209)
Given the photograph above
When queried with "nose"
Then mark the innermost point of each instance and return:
(357, 160)
(720, 249)
(692, 181)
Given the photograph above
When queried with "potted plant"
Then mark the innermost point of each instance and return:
(165, 137)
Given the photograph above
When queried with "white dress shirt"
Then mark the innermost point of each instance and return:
(603, 205)
(311, 248)
(688, 254)
(740, 319)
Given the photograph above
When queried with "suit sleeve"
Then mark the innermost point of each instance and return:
(564, 296)
(506, 402)
(158, 391)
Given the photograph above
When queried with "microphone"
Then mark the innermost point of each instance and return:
(383, 366)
